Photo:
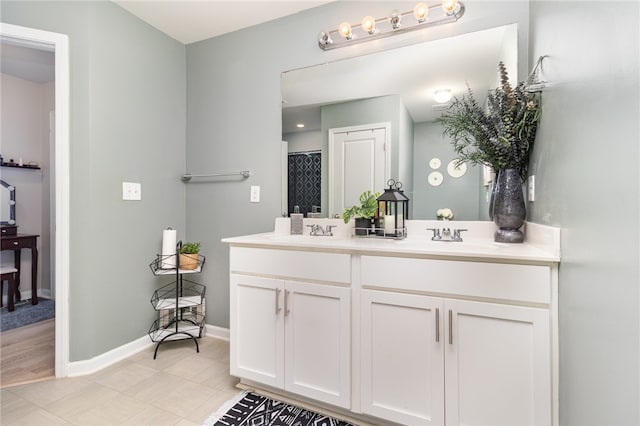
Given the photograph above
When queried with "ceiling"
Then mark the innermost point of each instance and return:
(189, 21)
(186, 21)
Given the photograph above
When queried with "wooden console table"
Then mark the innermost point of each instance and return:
(16, 243)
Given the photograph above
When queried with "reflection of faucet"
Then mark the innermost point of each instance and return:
(317, 230)
(446, 234)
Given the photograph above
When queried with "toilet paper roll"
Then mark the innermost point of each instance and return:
(168, 249)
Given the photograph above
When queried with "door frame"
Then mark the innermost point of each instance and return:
(331, 140)
(59, 44)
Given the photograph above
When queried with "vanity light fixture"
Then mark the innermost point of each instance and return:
(422, 16)
(442, 95)
(300, 125)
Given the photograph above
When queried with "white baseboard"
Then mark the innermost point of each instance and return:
(97, 363)
(217, 332)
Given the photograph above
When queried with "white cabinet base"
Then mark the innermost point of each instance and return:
(292, 335)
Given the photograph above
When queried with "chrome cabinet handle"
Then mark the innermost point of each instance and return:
(286, 302)
(450, 327)
(437, 324)
(278, 308)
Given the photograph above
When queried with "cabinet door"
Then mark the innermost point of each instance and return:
(318, 342)
(498, 368)
(402, 376)
(256, 329)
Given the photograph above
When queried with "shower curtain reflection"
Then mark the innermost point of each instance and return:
(304, 181)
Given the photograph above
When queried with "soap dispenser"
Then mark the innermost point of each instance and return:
(296, 221)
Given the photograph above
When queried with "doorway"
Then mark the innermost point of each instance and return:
(358, 161)
(59, 44)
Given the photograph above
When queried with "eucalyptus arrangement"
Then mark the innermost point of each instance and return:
(501, 136)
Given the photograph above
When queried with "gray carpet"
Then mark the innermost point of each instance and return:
(26, 313)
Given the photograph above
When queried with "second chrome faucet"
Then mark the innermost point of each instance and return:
(319, 231)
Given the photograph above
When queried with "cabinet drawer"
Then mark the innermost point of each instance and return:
(9, 230)
(9, 243)
(522, 283)
(321, 266)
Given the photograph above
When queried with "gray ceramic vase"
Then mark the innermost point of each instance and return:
(509, 210)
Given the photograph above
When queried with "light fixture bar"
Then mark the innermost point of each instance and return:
(389, 26)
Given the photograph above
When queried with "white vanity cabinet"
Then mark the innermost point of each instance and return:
(289, 333)
(455, 360)
(400, 332)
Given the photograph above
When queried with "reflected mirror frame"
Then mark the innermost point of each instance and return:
(12, 204)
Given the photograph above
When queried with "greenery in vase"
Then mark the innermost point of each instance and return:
(367, 208)
(190, 248)
(501, 136)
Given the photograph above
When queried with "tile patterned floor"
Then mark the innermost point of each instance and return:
(180, 387)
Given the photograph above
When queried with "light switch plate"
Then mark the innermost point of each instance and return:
(255, 194)
(531, 188)
(131, 191)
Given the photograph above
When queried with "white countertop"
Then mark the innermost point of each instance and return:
(542, 243)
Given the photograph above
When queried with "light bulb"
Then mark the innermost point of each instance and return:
(395, 19)
(449, 6)
(368, 24)
(442, 95)
(420, 12)
(345, 30)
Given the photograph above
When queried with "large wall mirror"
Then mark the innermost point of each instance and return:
(7, 204)
(393, 88)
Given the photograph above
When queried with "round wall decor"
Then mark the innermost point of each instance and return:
(458, 171)
(435, 178)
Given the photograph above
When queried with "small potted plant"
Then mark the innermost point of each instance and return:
(189, 255)
(364, 213)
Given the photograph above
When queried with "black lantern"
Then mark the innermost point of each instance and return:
(393, 211)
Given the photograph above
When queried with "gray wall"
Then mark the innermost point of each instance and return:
(458, 194)
(234, 115)
(586, 166)
(128, 103)
(25, 134)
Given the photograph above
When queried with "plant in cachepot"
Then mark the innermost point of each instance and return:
(189, 255)
(364, 213)
(500, 136)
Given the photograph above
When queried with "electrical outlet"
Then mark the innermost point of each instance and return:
(131, 191)
(531, 188)
(255, 194)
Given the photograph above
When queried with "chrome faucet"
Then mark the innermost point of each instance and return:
(446, 234)
(317, 230)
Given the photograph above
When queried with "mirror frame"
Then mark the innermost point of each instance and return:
(12, 204)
